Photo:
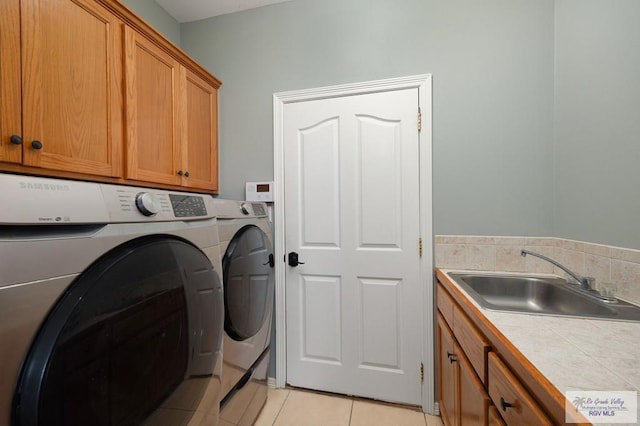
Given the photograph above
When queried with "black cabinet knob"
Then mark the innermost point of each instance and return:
(504, 404)
(180, 172)
(186, 174)
(36, 144)
(15, 139)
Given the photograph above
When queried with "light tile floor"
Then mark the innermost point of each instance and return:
(293, 407)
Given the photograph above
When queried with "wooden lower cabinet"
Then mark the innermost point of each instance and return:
(463, 399)
(494, 417)
(447, 376)
(474, 401)
(475, 385)
(515, 404)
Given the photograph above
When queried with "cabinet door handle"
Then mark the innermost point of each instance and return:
(186, 174)
(36, 144)
(180, 172)
(504, 404)
(452, 357)
(15, 139)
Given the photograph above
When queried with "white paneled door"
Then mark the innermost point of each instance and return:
(352, 215)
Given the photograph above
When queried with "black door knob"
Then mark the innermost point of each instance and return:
(36, 144)
(15, 139)
(293, 259)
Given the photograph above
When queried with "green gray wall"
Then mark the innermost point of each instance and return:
(535, 103)
(157, 17)
(597, 121)
(492, 67)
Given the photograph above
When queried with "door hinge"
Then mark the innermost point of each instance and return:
(420, 246)
(421, 373)
(419, 119)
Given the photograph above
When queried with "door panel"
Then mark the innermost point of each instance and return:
(320, 175)
(379, 310)
(152, 107)
(10, 96)
(201, 146)
(379, 178)
(351, 196)
(72, 90)
(320, 306)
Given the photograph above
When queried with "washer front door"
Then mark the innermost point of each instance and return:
(127, 334)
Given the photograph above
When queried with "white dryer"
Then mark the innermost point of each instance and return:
(248, 281)
(111, 308)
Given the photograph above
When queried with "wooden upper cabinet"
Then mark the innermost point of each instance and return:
(90, 91)
(10, 97)
(153, 109)
(200, 148)
(71, 87)
(171, 119)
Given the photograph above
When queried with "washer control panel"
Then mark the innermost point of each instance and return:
(132, 204)
(188, 205)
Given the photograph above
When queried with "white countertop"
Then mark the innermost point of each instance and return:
(574, 354)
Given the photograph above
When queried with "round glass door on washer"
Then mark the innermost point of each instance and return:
(109, 323)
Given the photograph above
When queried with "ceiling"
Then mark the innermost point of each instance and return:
(193, 10)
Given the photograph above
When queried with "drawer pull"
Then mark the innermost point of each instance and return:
(504, 404)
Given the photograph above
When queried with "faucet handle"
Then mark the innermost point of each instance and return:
(588, 283)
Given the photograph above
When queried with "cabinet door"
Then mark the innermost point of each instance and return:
(514, 402)
(474, 402)
(71, 87)
(200, 150)
(152, 112)
(10, 113)
(447, 376)
(494, 417)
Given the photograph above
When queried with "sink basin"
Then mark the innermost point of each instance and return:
(540, 295)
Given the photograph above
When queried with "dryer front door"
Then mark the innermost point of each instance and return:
(248, 294)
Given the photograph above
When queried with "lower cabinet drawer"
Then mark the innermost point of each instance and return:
(515, 404)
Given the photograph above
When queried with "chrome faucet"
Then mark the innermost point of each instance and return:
(586, 283)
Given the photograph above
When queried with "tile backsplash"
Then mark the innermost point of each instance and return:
(605, 263)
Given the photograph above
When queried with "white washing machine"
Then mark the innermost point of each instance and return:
(248, 281)
(111, 306)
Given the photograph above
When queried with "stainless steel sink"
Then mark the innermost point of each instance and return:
(540, 295)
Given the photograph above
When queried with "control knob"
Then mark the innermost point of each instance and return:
(244, 208)
(147, 203)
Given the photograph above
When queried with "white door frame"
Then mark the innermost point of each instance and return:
(423, 84)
